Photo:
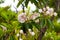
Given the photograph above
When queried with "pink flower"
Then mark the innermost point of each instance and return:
(51, 10)
(22, 18)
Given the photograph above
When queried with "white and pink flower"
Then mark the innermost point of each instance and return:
(22, 17)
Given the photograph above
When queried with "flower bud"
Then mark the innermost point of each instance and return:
(44, 9)
(40, 10)
(17, 35)
(29, 30)
(55, 14)
(21, 31)
(47, 7)
(32, 33)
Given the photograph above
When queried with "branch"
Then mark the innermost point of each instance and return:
(42, 32)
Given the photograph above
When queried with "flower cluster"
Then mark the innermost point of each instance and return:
(48, 11)
(23, 18)
(20, 33)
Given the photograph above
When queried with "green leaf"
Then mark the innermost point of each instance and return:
(6, 8)
(20, 2)
(43, 22)
(26, 2)
(1, 32)
(4, 15)
(1, 1)
(36, 3)
(12, 37)
(50, 23)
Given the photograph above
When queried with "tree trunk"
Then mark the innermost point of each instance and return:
(42, 32)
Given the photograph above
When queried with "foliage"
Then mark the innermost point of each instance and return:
(13, 28)
(38, 3)
(26, 26)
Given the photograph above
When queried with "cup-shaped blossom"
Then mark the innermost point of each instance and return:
(22, 17)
